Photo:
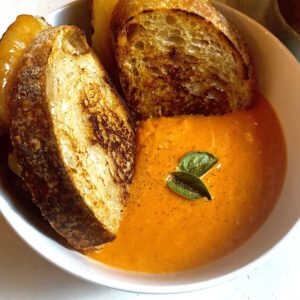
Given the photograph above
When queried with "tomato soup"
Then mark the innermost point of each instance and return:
(164, 232)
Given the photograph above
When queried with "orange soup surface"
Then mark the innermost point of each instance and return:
(164, 232)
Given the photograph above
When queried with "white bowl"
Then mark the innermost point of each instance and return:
(279, 79)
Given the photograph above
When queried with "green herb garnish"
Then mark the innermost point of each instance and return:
(187, 185)
(197, 163)
(186, 181)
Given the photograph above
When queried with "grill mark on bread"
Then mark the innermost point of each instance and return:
(112, 138)
(178, 74)
(111, 133)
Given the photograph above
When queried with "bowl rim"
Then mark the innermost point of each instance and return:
(17, 222)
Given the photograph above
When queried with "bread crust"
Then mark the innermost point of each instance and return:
(127, 10)
(37, 151)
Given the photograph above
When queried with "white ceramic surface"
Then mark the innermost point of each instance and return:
(279, 76)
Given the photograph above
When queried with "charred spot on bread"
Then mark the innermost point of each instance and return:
(180, 57)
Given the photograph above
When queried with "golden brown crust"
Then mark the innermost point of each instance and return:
(37, 149)
(128, 11)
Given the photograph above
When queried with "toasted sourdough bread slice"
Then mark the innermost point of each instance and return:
(72, 136)
(180, 57)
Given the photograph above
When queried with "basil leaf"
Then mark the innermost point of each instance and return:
(187, 185)
(197, 163)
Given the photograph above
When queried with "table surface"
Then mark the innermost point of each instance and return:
(25, 275)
